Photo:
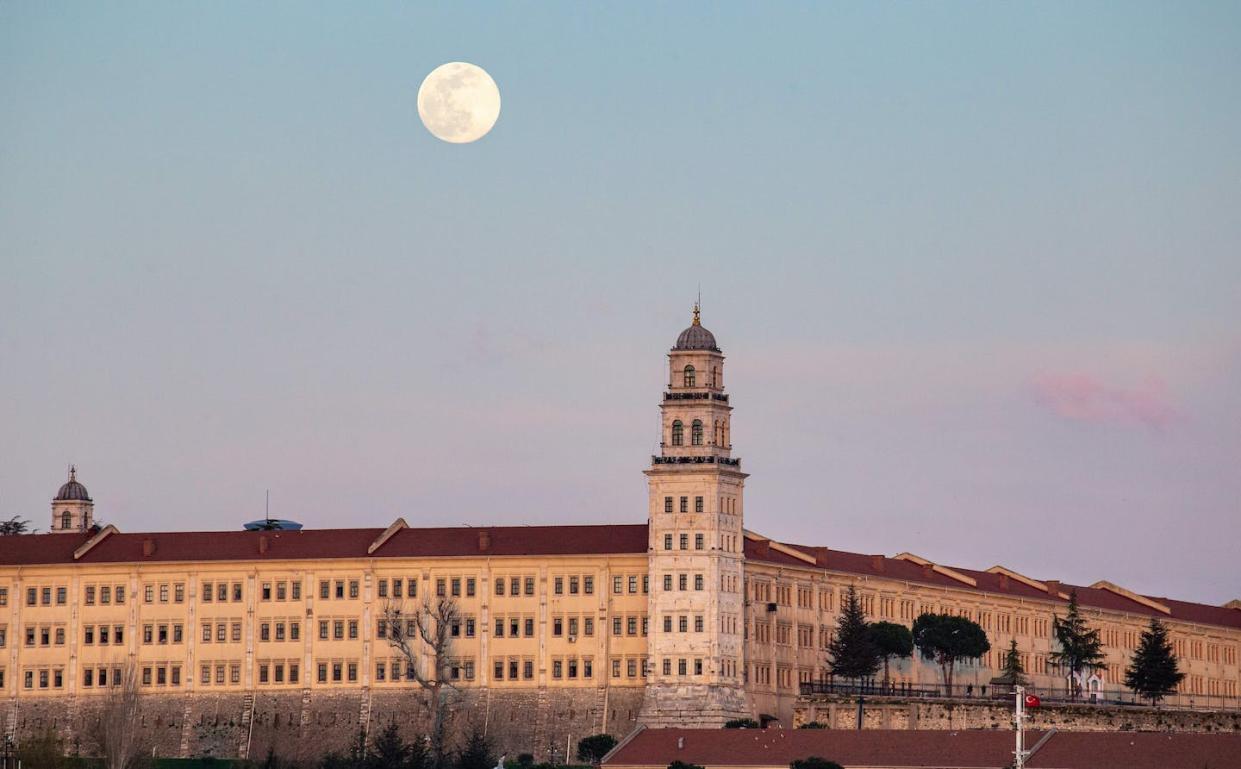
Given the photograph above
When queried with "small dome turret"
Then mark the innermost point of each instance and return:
(696, 337)
(72, 491)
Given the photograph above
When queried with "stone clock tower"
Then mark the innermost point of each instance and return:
(695, 676)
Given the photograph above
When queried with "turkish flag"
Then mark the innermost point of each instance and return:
(1032, 701)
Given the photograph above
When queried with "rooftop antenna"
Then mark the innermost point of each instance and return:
(267, 507)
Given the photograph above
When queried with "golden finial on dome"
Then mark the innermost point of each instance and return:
(697, 322)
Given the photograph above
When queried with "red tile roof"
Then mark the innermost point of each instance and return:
(614, 539)
(905, 748)
(898, 569)
(327, 543)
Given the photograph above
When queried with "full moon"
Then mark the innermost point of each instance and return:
(458, 102)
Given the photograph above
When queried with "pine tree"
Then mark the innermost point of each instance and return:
(1154, 672)
(477, 752)
(1013, 670)
(388, 750)
(1080, 646)
(852, 653)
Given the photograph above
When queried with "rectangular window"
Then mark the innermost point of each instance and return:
(633, 583)
(529, 586)
(667, 582)
(282, 591)
(558, 585)
(208, 594)
(667, 504)
(684, 542)
(698, 542)
(296, 589)
(354, 589)
(618, 585)
(62, 595)
(698, 582)
(265, 592)
(90, 595)
(514, 585)
(685, 504)
(470, 587)
(697, 504)
(574, 585)
(667, 542)
(340, 590)
(441, 588)
(499, 586)
(325, 589)
(588, 585)
(396, 587)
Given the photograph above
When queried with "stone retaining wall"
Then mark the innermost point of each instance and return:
(840, 712)
(304, 725)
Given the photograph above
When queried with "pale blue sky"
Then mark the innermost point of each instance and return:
(977, 268)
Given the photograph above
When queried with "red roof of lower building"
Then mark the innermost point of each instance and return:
(973, 749)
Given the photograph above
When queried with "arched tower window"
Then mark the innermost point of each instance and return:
(696, 432)
(65, 519)
(715, 376)
(678, 433)
(690, 377)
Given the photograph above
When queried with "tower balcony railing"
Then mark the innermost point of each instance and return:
(708, 396)
(707, 460)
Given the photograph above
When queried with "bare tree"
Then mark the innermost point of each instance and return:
(118, 738)
(424, 639)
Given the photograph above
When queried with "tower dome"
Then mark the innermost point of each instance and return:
(72, 491)
(696, 337)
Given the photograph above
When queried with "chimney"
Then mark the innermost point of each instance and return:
(1003, 581)
(148, 547)
(876, 562)
(484, 541)
(1053, 588)
(928, 571)
(820, 557)
(263, 544)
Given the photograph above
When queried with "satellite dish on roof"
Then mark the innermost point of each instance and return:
(271, 524)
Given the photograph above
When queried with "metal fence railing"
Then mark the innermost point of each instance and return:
(1111, 697)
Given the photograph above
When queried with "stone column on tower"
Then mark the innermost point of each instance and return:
(695, 676)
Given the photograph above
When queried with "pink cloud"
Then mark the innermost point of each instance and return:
(1084, 398)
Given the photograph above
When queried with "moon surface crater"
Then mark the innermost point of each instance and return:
(459, 102)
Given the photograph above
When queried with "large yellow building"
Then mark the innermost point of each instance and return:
(687, 619)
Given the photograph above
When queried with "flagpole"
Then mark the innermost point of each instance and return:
(1020, 717)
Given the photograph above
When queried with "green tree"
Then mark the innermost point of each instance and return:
(1013, 670)
(946, 640)
(1080, 646)
(477, 752)
(388, 750)
(595, 747)
(683, 765)
(354, 757)
(891, 640)
(814, 762)
(14, 526)
(741, 723)
(1154, 673)
(852, 652)
(42, 750)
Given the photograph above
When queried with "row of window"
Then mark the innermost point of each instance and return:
(683, 541)
(682, 581)
(104, 593)
(682, 623)
(628, 583)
